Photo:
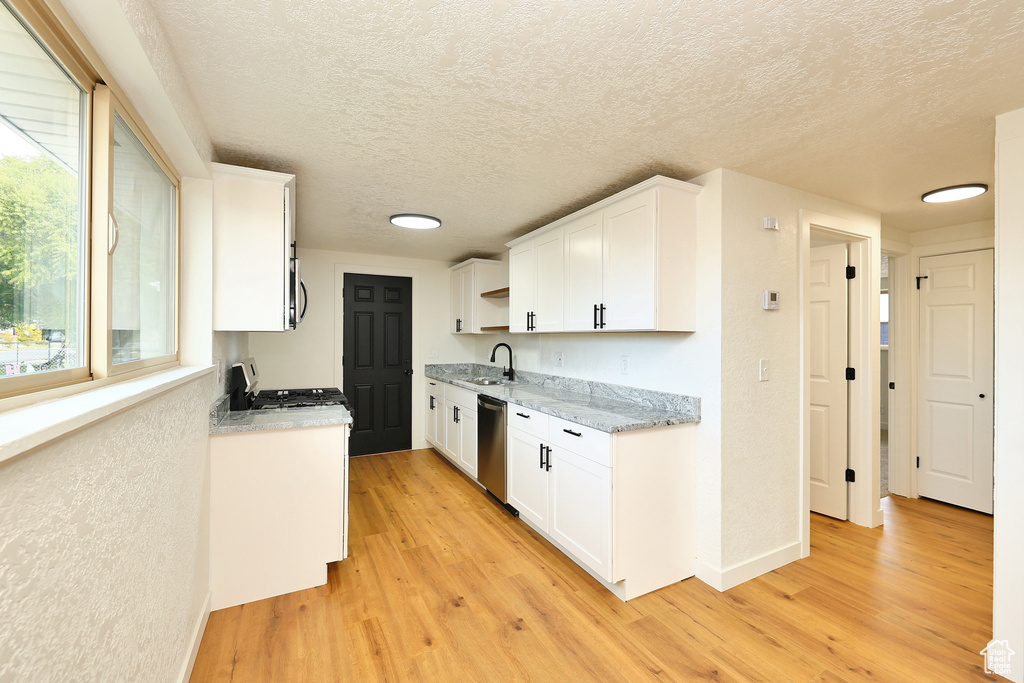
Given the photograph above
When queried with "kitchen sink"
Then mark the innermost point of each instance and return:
(486, 381)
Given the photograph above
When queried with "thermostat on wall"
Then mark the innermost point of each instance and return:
(771, 300)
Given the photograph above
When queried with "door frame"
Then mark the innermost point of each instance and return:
(418, 386)
(907, 317)
(902, 416)
(864, 401)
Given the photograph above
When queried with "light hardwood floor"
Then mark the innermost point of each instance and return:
(442, 584)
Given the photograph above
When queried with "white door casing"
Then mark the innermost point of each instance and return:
(829, 339)
(955, 380)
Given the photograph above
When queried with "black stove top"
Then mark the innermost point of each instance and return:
(298, 398)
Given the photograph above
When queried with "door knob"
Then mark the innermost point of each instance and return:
(981, 395)
(409, 371)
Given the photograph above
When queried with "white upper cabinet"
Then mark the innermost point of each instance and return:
(629, 262)
(535, 283)
(470, 312)
(255, 284)
(584, 258)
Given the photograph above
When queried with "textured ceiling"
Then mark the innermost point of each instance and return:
(500, 116)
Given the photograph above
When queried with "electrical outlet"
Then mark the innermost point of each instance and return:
(558, 359)
(624, 365)
(764, 368)
(432, 352)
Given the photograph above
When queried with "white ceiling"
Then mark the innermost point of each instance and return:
(501, 116)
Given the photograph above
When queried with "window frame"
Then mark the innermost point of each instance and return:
(71, 52)
(105, 105)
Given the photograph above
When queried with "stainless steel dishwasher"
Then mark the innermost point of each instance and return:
(491, 446)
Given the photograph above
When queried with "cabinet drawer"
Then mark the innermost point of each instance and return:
(528, 420)
(460, 396)
(591, 443)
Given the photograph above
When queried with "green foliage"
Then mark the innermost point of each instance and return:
(26, 332)
(38, 243)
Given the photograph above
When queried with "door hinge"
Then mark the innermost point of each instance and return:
(919, 462)
(919, 278)
(851, 476)
(851, 272)
(892, 385)
(851, 373)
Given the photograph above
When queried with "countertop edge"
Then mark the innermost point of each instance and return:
(554, 412)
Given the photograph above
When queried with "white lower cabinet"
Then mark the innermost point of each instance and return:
(527, 479)
(563, 494)
(620, 505)
(451, 424)
(435, 409)
(581, 509)
(278, 511)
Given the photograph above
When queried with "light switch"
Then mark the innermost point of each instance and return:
(764, 369)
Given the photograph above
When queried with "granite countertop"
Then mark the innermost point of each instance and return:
(224, 421)
(604, 413)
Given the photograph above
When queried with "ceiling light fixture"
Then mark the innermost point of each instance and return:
(415, 221)
(954, 193)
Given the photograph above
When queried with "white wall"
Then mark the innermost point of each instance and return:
(1008, 570)
(310, 356)
(103, 559)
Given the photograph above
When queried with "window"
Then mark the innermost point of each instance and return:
(142, 313)
(78, 168)
(43, 184)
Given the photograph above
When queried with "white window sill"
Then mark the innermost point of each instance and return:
(27, 428)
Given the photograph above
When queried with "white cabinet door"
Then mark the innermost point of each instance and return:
(458, 316)
(527, 483)
(630, 263)
(583, 279)
(452, 436)
(435, 408)
(522, 283)
(468, 435)
(581, 501)
(549, 267)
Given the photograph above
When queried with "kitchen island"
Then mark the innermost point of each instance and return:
(278, 500)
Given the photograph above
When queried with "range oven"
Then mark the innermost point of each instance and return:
(245, 395)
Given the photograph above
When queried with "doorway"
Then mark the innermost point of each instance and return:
(861, 480)
(377, 361)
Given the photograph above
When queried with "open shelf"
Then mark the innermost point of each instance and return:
(495, 328)
(495, 294)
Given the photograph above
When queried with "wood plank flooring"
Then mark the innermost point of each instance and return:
(442, 584)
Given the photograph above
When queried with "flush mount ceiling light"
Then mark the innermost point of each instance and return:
(415, 221)
(954, 193)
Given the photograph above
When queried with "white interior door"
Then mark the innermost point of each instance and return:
(955, 379)
(829, 344)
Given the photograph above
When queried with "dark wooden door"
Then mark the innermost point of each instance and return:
(377, 361)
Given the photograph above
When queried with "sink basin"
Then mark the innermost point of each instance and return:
(486, 381)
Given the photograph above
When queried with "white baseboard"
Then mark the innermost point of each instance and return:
(724, 579)
(197, 638)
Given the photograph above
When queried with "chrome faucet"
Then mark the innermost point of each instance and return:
(510, 373)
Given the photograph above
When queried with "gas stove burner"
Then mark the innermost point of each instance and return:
(298, 398)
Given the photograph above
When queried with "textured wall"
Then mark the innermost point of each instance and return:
(103, 557)
(760, 420)
(151, 37)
